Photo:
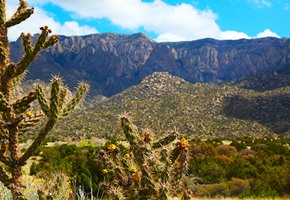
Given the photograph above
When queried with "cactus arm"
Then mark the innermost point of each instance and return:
(78, 96)
(37, 142)
(164, 175)
(4, 44)
(21, 14)
(2, 12)
(29, 122)
(42, 101)
(4, 106)
(181, 169)
(54, 96)
(13, 119)
(27, 45)
(175, 153)
(23, 104)
(147, 180)
(14, 72)
(19, 17)
(130, 130)
(29, 56)
(62, 95)
(166, 140)
(165, 171)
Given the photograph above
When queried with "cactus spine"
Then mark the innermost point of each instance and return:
(149, 169)
(16, 116)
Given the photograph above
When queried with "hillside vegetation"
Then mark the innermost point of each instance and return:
(164, 102)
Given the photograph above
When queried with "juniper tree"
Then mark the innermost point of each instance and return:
(16, 114)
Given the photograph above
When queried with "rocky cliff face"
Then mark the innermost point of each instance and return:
(112, 62)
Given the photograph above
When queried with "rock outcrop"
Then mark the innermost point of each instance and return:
(111, 62)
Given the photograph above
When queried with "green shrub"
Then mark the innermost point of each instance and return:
(227, 150)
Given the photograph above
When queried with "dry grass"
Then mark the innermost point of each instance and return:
(57, 186)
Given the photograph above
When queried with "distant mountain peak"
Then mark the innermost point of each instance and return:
(112, 62)
(141, 36)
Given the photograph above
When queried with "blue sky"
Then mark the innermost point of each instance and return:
(162, 20)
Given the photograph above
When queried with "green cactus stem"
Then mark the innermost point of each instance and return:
(21, 14)
(150, 168)
(17, 116)
(78, 96)
(42, 101)
(164, 141)
(23, 104)
(4, 106)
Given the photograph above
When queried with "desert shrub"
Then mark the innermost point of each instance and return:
(213, 190)
(224, 160)
(238, 187)
(202, 149)
(208, 170)
(238, 144)
(54, 186)
(226, 150)
(275, 181)
(242, 168)
(247, 152)
(76, 162)
(232, 188)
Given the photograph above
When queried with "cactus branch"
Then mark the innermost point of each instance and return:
(20, 16)
(130, 130)
(2, 12)
(62, 95)
(164, 141)
(23, 104)
(37, 142)
(4, 43)
(3, 103)
(29, 122)
(30, 53)
(15, 119)
(42, 101)
(54, 97)
(78, 96)
(27, 44)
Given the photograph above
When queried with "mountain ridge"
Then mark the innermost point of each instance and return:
(111, 62)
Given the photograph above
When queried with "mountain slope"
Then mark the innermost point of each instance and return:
(110, 63)
(265, 81)
(163, 102)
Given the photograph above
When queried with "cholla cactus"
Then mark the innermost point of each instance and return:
(152, 169)
(16, 115)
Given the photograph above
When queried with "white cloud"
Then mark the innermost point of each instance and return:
(41, 18)
(233, 35)
(170, 23)
(261, 3)
(169, 37)
(267, 33)
(182, 21)
(73, 28)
